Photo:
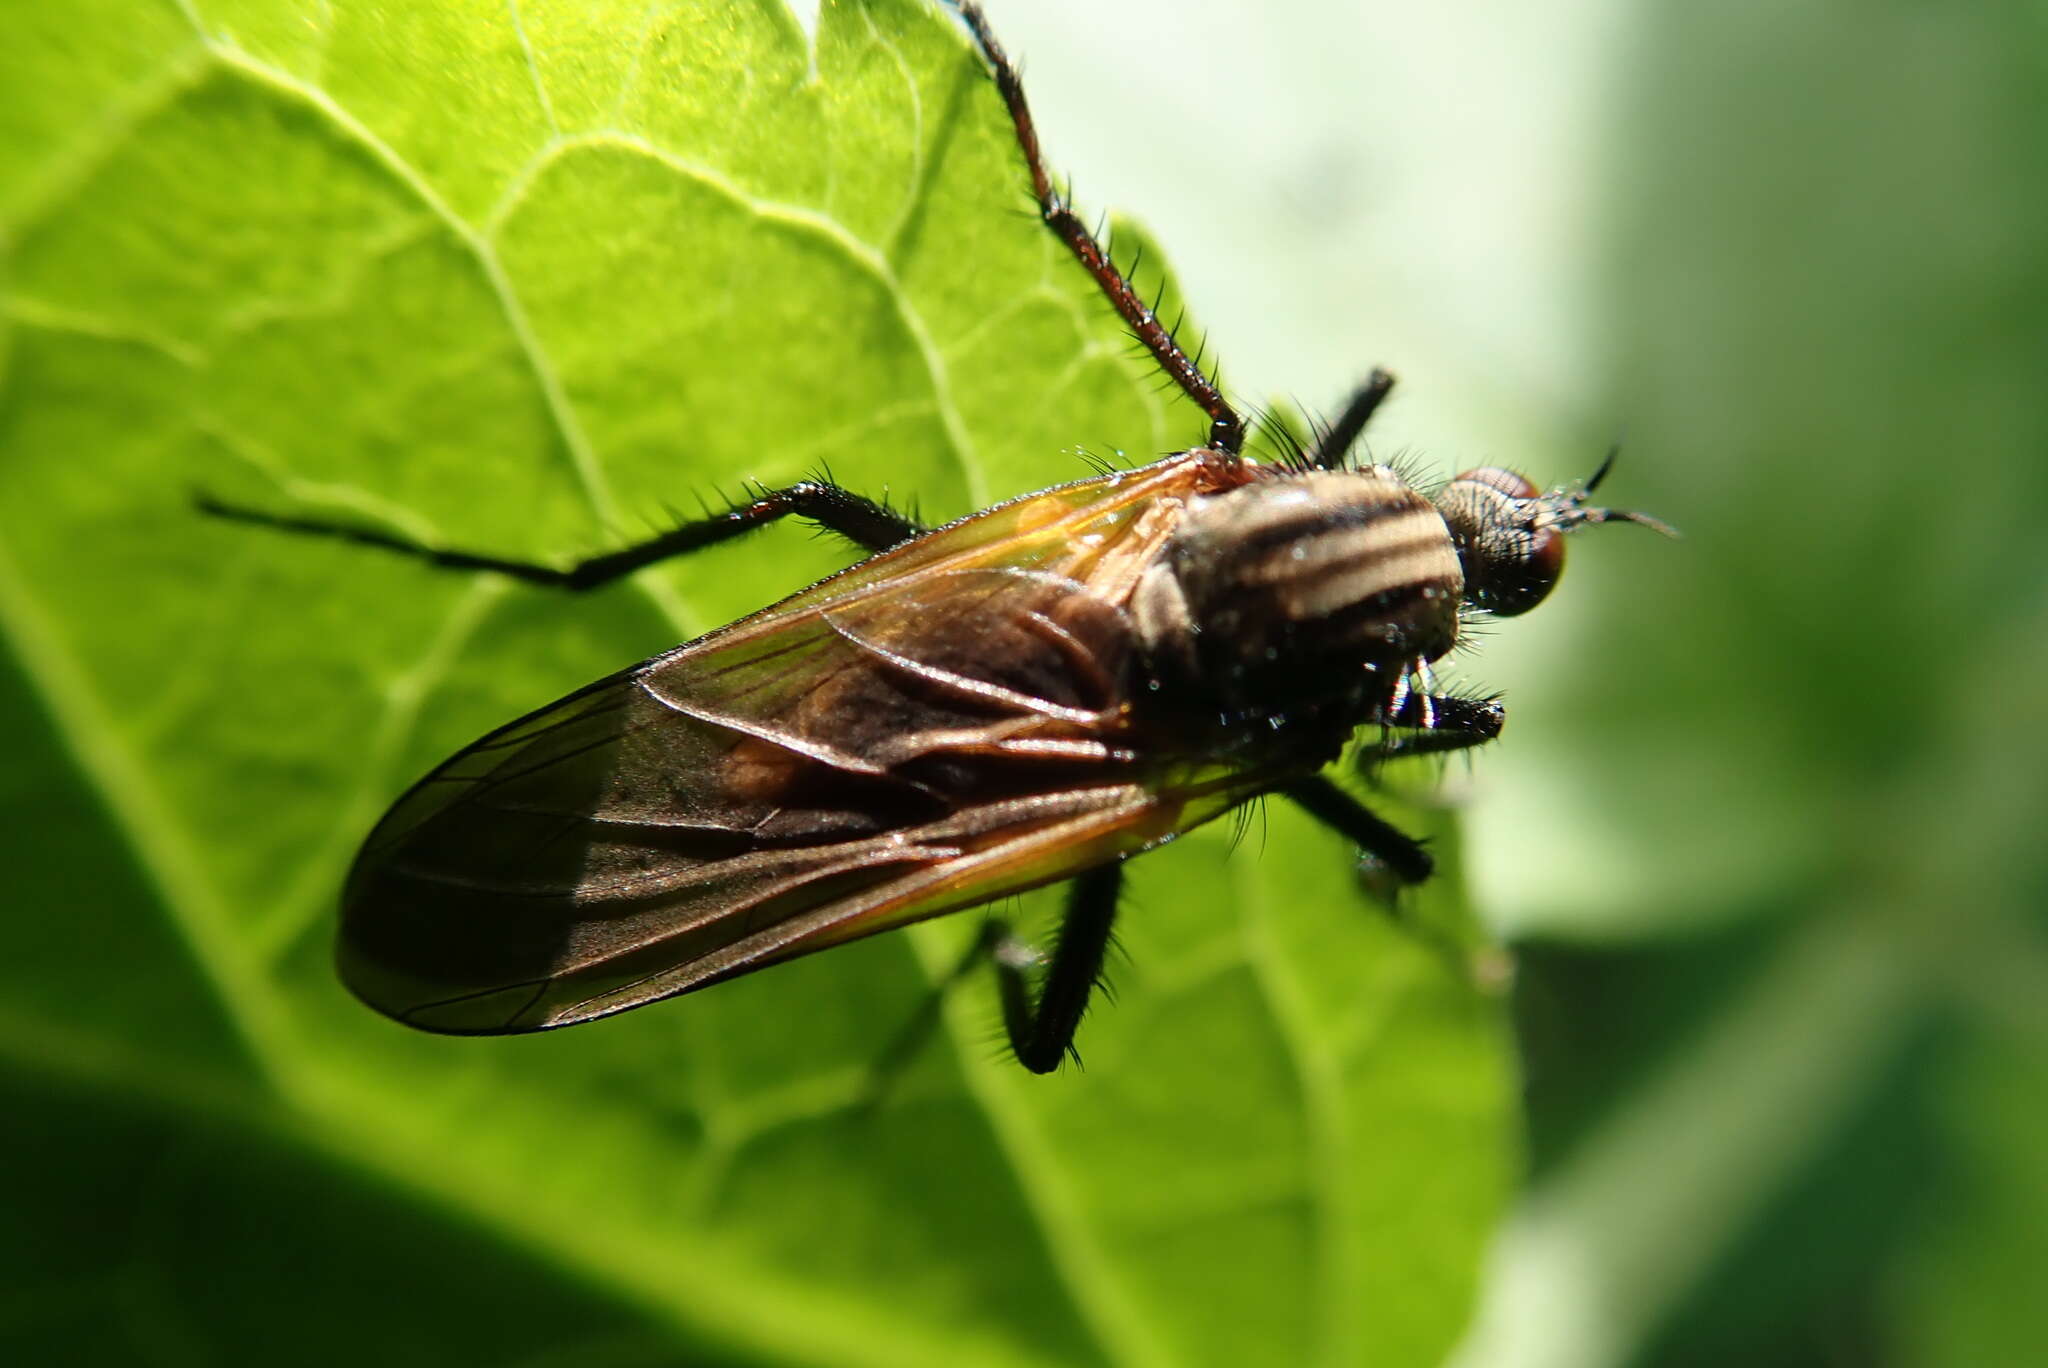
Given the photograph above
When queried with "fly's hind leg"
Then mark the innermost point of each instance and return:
(868, 524)
(1041, 1027)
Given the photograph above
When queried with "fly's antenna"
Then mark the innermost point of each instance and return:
(1606, 464)
(1568, 505)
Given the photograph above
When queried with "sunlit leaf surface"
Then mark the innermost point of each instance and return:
(533, 279)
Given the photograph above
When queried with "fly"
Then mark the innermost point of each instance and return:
(1032, 694)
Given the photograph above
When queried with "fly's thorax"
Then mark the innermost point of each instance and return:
(1295, 585)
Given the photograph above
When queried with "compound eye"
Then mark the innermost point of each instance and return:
(1506, 481)
(1511, 551)
(1520, 582)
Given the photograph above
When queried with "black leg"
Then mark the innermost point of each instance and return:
(1226, 429)
(1345, 815)
(1442, 723)
(1042, 1031)
(873, 526)
(1343, 434)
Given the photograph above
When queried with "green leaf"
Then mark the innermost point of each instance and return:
(518, 279)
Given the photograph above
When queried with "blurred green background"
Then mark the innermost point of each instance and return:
(1761, 837)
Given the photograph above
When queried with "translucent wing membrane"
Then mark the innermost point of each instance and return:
(937, 727)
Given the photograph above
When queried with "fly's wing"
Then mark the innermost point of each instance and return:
(920, 738)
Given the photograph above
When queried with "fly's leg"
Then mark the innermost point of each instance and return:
(1226, 429)
(1400, 853)
(871, 525)
(1446, 723)
(1042, 1025)
(1443, 723)
(1041, 1031)
(1336, 443)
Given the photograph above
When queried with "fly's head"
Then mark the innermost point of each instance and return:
(1510, 535)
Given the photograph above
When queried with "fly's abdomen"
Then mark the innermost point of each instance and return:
(1288, 588)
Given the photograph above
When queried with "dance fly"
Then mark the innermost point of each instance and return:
(1032, 694)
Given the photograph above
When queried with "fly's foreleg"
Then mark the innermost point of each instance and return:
(868, 524)
(1334, 446)
(1438, 724)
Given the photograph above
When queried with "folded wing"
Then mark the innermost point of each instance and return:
(934, 729)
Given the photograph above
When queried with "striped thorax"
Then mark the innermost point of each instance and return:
(1305, 586)
(1281, 590)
